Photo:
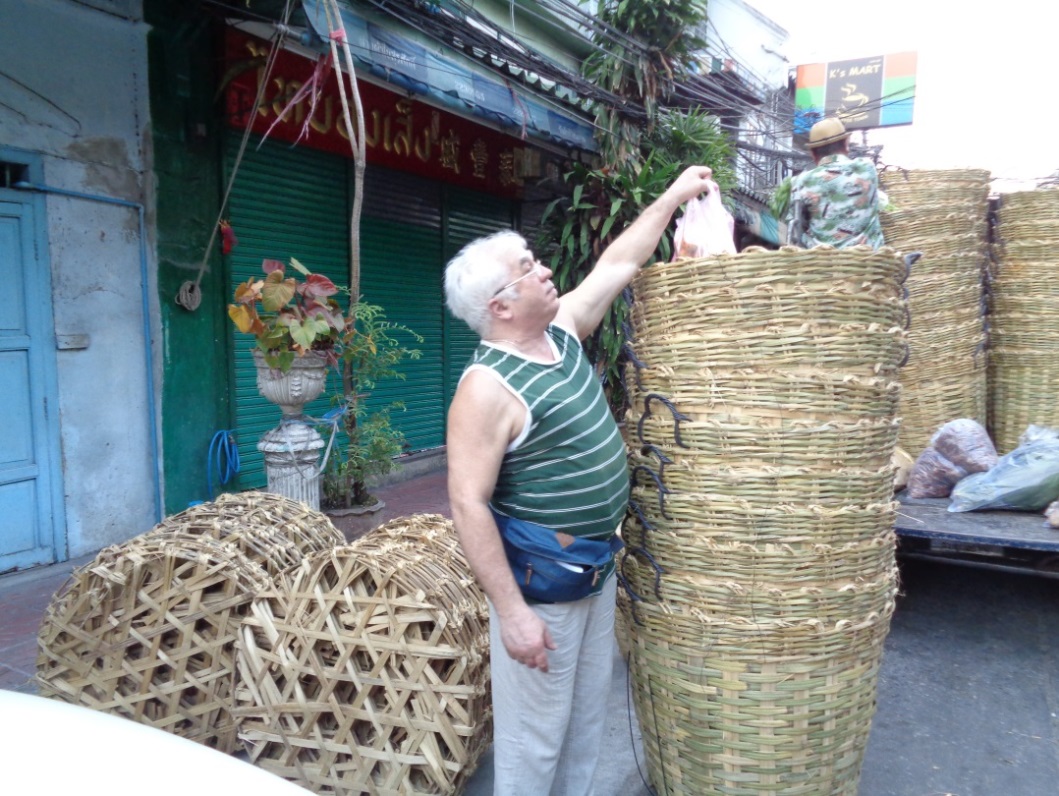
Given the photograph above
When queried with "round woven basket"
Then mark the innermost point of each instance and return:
(147, 631)
(367, 670)
(271, 530)
(759, 566)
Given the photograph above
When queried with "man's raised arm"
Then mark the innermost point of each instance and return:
(583, 308)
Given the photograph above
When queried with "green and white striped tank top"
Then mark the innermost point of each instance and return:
(569, 472)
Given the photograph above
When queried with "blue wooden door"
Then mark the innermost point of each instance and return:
(29, 508)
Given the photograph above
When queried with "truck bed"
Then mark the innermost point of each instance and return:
(1007, 540)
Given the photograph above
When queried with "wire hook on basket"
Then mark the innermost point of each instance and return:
(647, 449)
(677, 417)
(662, 489)
(634, 507)
(634, 597)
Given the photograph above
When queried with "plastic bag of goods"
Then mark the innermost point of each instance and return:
(705, 228)
(957, 449)
(1027, 479)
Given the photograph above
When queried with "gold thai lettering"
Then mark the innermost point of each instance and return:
(404, 130)
(285, 91)
(424, 145)
(327, 108)
(450, 152)
(507, 169)
(372, 133)
(402, 138)
(479, 158)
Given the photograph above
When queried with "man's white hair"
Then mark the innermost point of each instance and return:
(475, 274)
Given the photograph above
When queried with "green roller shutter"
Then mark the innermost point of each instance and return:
(295, 202)
(401, 262)
(469, 215)
(285, 202)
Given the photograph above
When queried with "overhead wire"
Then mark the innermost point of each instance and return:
(723, 93)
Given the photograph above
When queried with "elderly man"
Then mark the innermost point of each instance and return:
(837, 201)
(531, 438)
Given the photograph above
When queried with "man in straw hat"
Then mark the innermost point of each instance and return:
(531, 439)
(837, 201)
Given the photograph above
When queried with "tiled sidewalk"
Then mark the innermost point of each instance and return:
(24, 596)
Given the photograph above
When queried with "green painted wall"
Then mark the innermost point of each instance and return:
(187, 163)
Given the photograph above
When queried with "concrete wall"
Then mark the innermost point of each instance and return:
(73, 91)
(739, 31)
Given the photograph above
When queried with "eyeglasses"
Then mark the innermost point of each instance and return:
(536, 269)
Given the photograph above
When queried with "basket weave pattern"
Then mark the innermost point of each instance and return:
(759, 563)
(943, 214)
(367, 669)
(1024, 355)
(390, 694)
(272, 530)
(147, 631)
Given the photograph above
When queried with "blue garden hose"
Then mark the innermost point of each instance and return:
(222, 458)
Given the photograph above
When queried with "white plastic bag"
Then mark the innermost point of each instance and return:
(705, 228)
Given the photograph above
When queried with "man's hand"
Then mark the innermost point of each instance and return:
(526, 638)
(583, 308)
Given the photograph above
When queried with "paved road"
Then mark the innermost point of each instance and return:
(968, 693)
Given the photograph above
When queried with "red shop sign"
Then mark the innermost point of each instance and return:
(401, 133)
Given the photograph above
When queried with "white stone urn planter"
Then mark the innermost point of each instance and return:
(304, 382)
(292, 449)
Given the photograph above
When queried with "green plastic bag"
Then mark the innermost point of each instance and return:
(1027, 479)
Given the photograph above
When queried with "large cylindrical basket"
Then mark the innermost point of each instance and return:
(759, 566)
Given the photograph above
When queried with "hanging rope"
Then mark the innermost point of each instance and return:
(189, 296)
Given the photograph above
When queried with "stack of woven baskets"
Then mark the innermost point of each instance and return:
(943, 214)
(348, 668)
(759, 564)
(1024, 349)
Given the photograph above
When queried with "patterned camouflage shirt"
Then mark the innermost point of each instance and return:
(840, 200)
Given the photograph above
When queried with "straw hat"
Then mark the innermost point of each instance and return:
(827, 131)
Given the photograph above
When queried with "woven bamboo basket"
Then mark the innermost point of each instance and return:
(147, 631)
(1013, 303)
(943, 215)
(1028, 278)
(950, 397)
(968, 246)
(780, 712)
(271, 530)
(1023, 385)
(929, 223)
(1034, 252)
(1037, 205)
(936, 187)
(969, 265)
(759, 564)
(366, 670)
(1021, 228)
(1024, 360)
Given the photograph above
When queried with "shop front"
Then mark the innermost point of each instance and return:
(434, 180)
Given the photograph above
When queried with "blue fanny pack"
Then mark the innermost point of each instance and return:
(554, 567)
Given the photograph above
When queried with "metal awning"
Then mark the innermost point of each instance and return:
(457, 82)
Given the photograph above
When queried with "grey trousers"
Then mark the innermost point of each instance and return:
(548, 728)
